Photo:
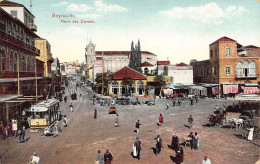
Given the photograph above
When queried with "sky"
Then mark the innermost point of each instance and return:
(180, 30)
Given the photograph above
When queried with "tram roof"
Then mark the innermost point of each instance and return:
(43, 106)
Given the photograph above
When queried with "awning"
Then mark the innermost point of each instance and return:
(251, 89)
(230, 89)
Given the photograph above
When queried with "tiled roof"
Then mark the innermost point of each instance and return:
(252, 47)
(224, 39)
(128, 73)
(146, 64)
(120, 52)
(181, 64)
(163, 63)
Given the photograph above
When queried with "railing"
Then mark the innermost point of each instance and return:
(12, 40)
(248, 76)
(10, 74)
(32, 26)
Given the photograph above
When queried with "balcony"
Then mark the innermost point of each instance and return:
(32, 26)
(17, 43)
(249, 76)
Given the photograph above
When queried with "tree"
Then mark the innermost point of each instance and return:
(128, 83)
(135, 58)
(165, 70)
(105, 81)
(160, 79)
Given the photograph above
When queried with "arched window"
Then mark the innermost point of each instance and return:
(2, 59)
(11, 62)
(252, 69)
(115, 87)
(140, 89)
(246, 68)
(239, 69)
(15, 62)
(146, 70)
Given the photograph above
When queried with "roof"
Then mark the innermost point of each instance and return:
(146, 64)
(252, 47)
(98, 58)
(120, 52)
(163, 63)
(6, 3)
(181, 64)
(128, 73)
(224, 39)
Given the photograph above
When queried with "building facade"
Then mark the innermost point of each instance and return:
(111, 61)
(231, 65)
(45, 55)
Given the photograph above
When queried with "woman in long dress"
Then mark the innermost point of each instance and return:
(251, 133)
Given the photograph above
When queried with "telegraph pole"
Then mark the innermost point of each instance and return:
(102, 73)
(18, 74)
(36, 84)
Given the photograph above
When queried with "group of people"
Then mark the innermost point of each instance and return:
(9, 130)
(107, 158)
(194, 140)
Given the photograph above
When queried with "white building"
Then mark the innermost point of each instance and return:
(70, 70)
(112, 60)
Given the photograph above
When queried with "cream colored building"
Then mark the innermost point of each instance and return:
(45, 54)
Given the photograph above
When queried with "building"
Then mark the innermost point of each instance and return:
(163, 67)
(181, 73)
(20, 12)
(70, 70)
(119, 87)
(112, 61)
(20, 71)
(45, 55)
(232, 67)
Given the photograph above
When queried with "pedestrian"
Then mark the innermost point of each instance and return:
(173, 102)
(191, 137)
(108, 157)
(158, 145)
(191, 101)
(95, 113)
(206, 160)
(179, 154)
(175, 141)
(34, 159)
(65, 99)
(71, 107)
(65, 121)
(99, 158)
(160, 120)
(14, 128)
(137, 126)
(167, 105)
(57, 129)
(196, 99)
(190, 121)
(178, 102)
(137, 144)
(94, 100)
(22, 135)
(251, 133)
(117, 121)
(2, 136)
(196, 141)
(9, 129)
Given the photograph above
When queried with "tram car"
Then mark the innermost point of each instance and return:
(43, 115)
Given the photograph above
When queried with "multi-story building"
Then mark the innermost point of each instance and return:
(20, 72)
(231, 66)
(112, 61)
(181, 73)
(19, 11)
(45, 55)
(70, 70)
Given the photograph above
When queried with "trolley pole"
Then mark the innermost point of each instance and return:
(36, 84)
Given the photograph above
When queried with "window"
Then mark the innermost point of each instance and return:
(115, 87)
(252, 69)
(227, 70)
(239, 69)
(211, 53)
(246, 68)
(14, 13)
(216, 52)
(228, 51)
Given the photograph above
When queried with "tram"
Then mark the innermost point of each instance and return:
(43, 115)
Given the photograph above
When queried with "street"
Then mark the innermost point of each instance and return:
(84, 136)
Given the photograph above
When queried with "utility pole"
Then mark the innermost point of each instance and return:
(36, 84)
(18, 74)
(102, 73)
